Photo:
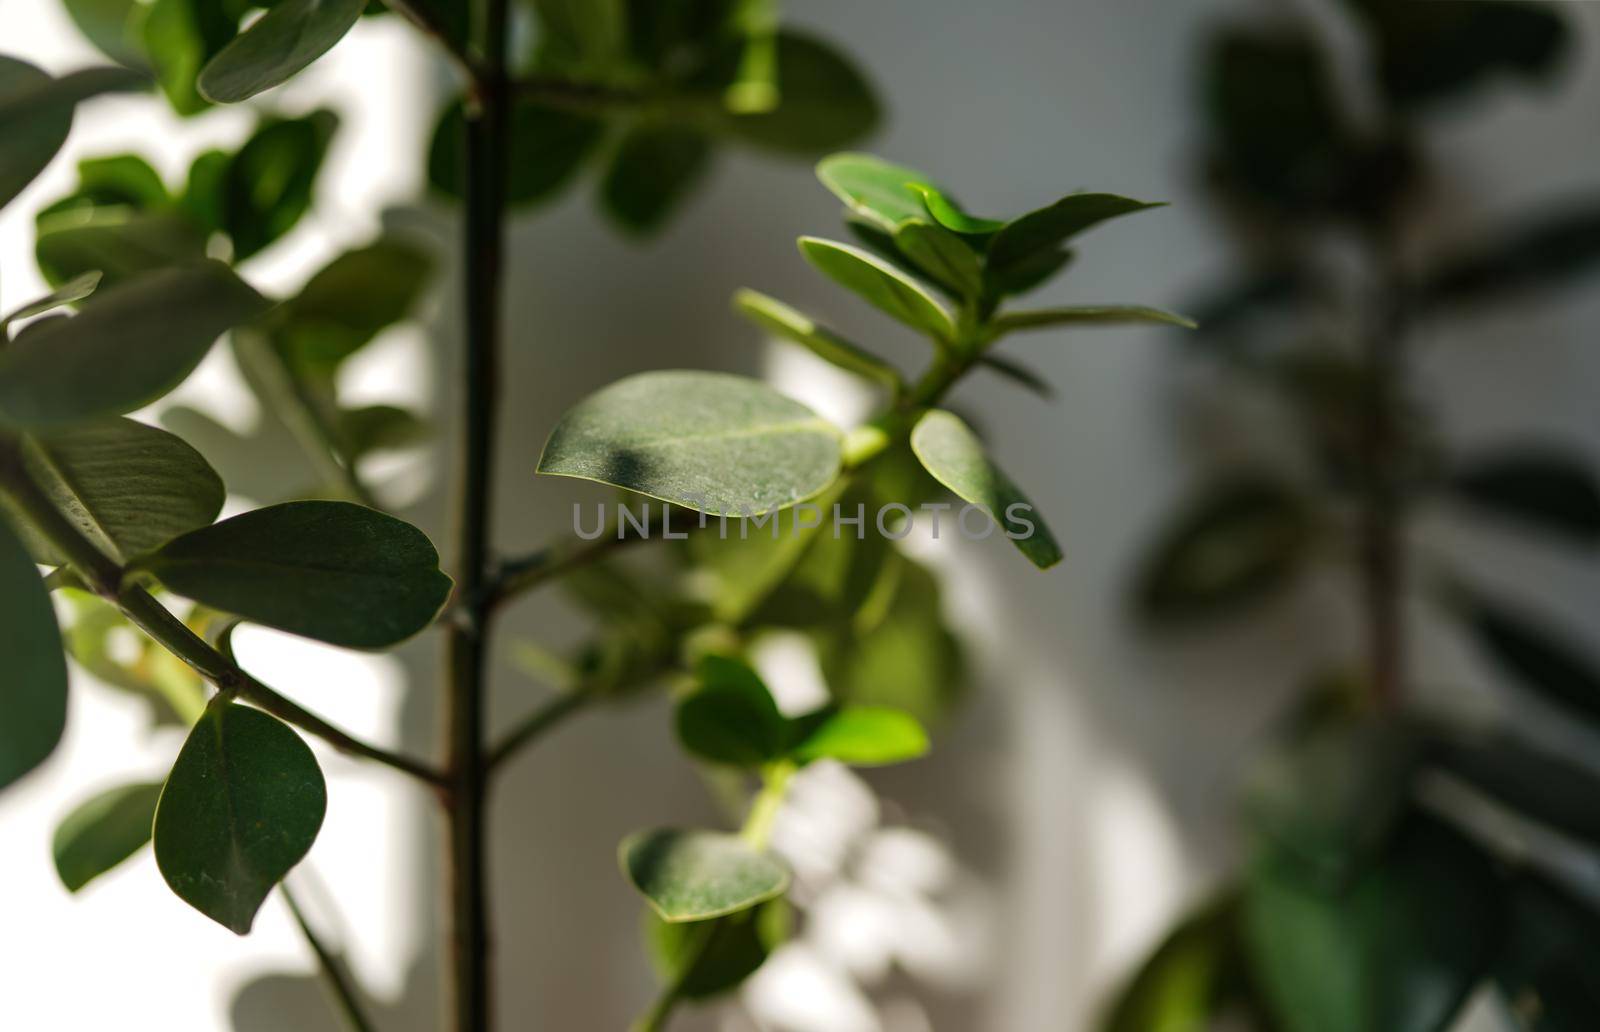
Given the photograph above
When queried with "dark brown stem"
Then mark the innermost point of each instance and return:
(341, 986)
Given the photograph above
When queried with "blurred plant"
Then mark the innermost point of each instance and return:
(123, 511)
(1376, 897)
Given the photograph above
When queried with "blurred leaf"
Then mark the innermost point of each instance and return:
(942, 255)
(698, 875)
(33, 706)
(1540, 256)
(36, 115)
(1027, 275)
(174, 693)
(1043, 232)
(242, 806)
(711, 442)
(268, 185)
(380, 428)
(776, 317)
(652, 171)
(1536, 784)
(291, 35)
(1226, 549)
(104, 831)
(1193, 980)
(880, 284)
(825, 101)
(1101, 315)
(119, 180)
(882, 193)
(180, 36)
(731, 717)
(736, 947)
(70, 292)
(951, 452)
(204, 199)
(1548, 967)
(112, 26)
(546, 149)
(580, 35)
(130, 345)
(349, 302)
(1546, 489)
(669, 35)
(1399, 950)
(947, 213)
(120, 244)
(1540, 660)
(125, 486)
(1019, 374)
(333, 571)
(862, 736)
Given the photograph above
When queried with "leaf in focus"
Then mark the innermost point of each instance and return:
(70, 292)
(242, 806)
(1046, 230)
(880, 192)
(334, 571)
(118, 243)
(267, 186)
(546, 150)
(711, 442)
(824, 100)
(103, 831)
(291, 35)
(1098, 315)
(776, 317)
(349, 302)
(942, 255)
(863, 736)
(36, 115)
(731, 717)
(738, 945)
(1537, 658)
(131, 344)
(651, 173)
(698, 875)
(952, 453)
(1543, 489)
(33, 700)
(1236, 542)
(880, 284)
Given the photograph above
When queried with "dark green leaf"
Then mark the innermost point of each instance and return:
(1236, 542)
(1019, 374)
(1534, 783)
(125, 180)
(863, 736)
(776, 317)
(824, 100)
(724, 952)
(652, 171)
(715, 443)
(1555, 249)
(1545, 489)
(242, 806)
(347, 303)
(33, 699)
(112, 26)
(333, 571)
(952, 453)
(70, 292)
(1193, 980)
(180, 36)
(104, 831)
(580, 35)
(1098, 315)
(119, 243)
(698, 875)
(204, 194)
(882, 193)
(36, 115)
(547, 148)
(291, 35)
(133, 343)
(1540, 660)
(267, 186)
(1549, 967)
(881, 284)
(1046, 230)
(1028, 274)
(941, 254)
(731, 717)
(380, 428)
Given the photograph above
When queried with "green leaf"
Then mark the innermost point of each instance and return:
(1098, 315)
(174, 694)
(349, 302)
(776, 317)
(291, 35)
(1028, 274)
(1546, 254)
(824, 100)
(70, 292)
(1544, 489)
(119, 243)
(1399, 950)
(203, 198)
(947, 213)
(652, 171)
(380, 428)
(881, 193)
(1536, 784)
(952, 453)
(942, 255)
(1192, 980)
(1551, 953)
(112, 26)
(863, 736)
(104, 831)
(881, 284)
(132, 344)
(698, 875)
(118, 180)
(731, 718)
(546, 150)
(180, 36)
(1540, 660)
(580, 35)
(723, 952)
(333, 571)
(36, 115)
(267, 186)
(242, 806)
(33, 699)
(1019, 374)
(1045, 230)
(125, 486)
(1236, 542)
(711, 442)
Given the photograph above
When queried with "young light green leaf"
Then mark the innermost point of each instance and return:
(125, 486)
(824, 100)
(942, 255)
(698, 875)
(33, 699)
(1048, 228)
(130, 345)
(863, 736)
(119, 243)
(1097, 315)
(36, 115)
(70, 292)
(731, 718)
(712, 442)
(651, 172)
(947, 213)
(104, 831)
(952, 453)
(881, 193)
(267, 185)
(242, 806)
(881, 284)
(776, 317)
(547, 149)
(291, 35)
(333, 571)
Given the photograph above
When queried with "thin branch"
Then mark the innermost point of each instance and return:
(519, 576)
(426, 21)
(542, 720)
(571, 95)
(339, 981)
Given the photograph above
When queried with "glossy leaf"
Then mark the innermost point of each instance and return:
(952, 453)
(242, 806)
(125, 486)
(651, 173)
(731, 717)
(333, 571)
(70, 292)
(776, 317)
(1099, 315)
(880, 192)
(133, 343)
(1538, 659)
(546, 150)
(824, 100)
(881, 284)
(1543, 489)
(698, 875)
(942, 255)
(104, 831)
(36, 115)
(863, 736)
(723, 952)
(1045, 230)
(347, 303)
(711, 442)
(291, 35)
(33, 696)
(947, 213)
(267, 186)
(119, 244)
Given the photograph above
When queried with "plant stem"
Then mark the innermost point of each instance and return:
(422, 16)
(340, 985)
